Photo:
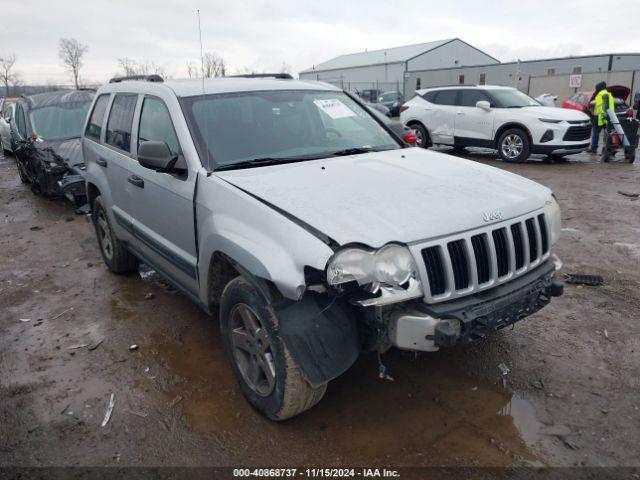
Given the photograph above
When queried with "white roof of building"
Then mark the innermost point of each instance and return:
(376, 57)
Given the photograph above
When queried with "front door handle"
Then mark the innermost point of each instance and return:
(102, 162)
(136, 180)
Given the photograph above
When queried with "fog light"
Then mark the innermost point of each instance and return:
(547, 137)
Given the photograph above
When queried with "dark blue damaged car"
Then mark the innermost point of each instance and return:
(45, 137)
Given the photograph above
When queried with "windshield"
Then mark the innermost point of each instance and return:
(388, 97)
(281, 125)
(60, 122)
(509, 98)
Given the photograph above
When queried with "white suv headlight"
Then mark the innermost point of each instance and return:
(391, 265)
(552, 211)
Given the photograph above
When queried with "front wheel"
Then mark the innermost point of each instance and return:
(261, 362)
(23, 176)
(514, 146)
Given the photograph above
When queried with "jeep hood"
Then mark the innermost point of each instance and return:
(405, 195)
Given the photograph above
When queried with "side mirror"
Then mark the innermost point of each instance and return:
(483, 105)
(156, 156)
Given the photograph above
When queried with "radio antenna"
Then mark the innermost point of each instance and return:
(206, 133)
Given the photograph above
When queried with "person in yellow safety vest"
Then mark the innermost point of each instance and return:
(600, 118)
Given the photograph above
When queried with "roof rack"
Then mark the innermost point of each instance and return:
(452, 85)
(282, 76)
(146, 78)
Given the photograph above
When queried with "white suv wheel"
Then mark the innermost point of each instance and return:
(512, 146)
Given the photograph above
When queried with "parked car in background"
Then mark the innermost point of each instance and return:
(369, 95)
(5, 128)
(584, 101)
(379, 107)
(314, 233)
(392, 100)
(408, 135)
(45, 135)
(501, 118)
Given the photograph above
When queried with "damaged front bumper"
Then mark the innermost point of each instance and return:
(421, 327)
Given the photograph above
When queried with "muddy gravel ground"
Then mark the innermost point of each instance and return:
(67, 324)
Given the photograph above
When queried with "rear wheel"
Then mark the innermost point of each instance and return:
(114, 252)
(514, 146)
(268, 376)
(422, 135)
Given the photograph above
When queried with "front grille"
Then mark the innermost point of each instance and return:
(481, 252)
(435, 270)
(485, 258)
(518, 243)
(459, 264)
(502, 251)
(543, 233)
(533, 244)
(576, 134)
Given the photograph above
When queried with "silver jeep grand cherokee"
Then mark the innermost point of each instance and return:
(309, 227)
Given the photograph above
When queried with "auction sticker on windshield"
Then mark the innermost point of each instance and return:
(334, 108)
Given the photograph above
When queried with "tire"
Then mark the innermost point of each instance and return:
(422, 135)
(249, 328)
(514, 146)
(23, 176)
(114, 253)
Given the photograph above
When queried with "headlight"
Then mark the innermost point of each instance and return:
(549, 120)
(390, 265)
(552, 211)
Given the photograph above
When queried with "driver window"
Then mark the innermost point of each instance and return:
(156, 125)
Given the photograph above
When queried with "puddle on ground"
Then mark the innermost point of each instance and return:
(432, 414)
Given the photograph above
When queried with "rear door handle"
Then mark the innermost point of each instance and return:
(136, 180)
(102, 162)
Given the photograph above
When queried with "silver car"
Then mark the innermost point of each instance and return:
(313, 232)
(6, 113)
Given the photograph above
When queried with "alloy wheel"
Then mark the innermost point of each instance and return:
(512, 146)
(104, 235)
(252, 350)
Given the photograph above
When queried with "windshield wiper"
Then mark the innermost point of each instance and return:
(265, 161)
(352, 151)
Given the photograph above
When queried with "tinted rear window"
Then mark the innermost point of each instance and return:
(94, 129)
(445, 97)
(120, 121)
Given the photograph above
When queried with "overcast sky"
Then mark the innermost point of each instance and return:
(262, 34)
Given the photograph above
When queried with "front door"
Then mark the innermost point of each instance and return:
(163, 202)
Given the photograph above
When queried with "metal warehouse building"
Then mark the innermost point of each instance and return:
(455, 62)
(386, 69)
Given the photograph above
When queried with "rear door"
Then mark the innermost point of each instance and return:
(442, 118)
(473, 125)
(115, 157)
(163, 221)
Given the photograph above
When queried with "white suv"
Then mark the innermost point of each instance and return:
(495, 117)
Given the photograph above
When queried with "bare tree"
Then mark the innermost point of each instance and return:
(192, 69)
(213, 65)
(71, 52)
(131, 67)
(7, 75)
